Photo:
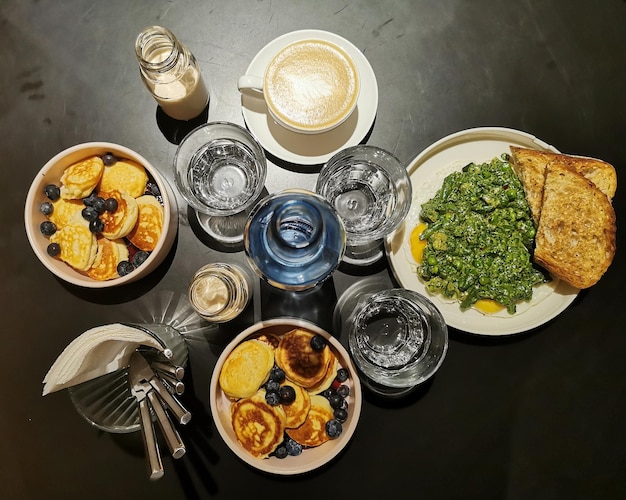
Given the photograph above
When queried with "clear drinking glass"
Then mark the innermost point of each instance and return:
(294, 239)
(220, 170)
(398, 340)
(371, 191)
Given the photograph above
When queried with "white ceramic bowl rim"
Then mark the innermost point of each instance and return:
(312, 458)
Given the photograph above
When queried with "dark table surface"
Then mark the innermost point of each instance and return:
(536, 415)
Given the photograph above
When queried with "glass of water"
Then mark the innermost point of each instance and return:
(220, 170)
(371, 191)
(398, 340)
(294, 239)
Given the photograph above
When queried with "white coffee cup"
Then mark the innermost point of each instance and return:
(310, 86)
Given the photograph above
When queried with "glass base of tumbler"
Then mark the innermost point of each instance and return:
(364, 255)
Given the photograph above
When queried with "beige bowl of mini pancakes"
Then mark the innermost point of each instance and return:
(51, 174)
(313, 457)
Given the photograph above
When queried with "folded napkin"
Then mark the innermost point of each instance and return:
(96, 352)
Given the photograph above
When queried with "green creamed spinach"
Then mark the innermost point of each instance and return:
(479, 237)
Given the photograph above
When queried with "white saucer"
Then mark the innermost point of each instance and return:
(310, 149)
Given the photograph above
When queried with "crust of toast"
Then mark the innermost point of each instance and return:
(576, 235)
(530, 166)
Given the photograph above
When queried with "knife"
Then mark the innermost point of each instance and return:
(139, 390)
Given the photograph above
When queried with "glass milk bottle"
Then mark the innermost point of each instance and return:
(171, 73)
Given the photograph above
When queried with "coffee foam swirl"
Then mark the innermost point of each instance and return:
(312, 85)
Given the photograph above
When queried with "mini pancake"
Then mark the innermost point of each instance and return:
(81, 178)
(149, 226)
(297, 411)
(121, 222)
(78, 244)
(327, 381)
(259, 427)
(300, 362)
(246, 368)
(64, 211)
(313, 431)
(126, 176)
(109, 254)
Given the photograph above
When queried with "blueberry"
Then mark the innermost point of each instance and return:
(139, 258)
(96, 226)
(342, 374)
(293, 447)
(53, 249)
(47, 228)
(272, 398)
(281, 452)
(46, 208)
(110, 204)
(328, 393)
(98, 204)
(287, 394)
(333, 428)
(277, 374)
(318, 343)
(89, 200)
(335, 400)
(341, 415)
(343, 391)
(272, 386)
(124, 268)
(89, 213)
(109, 159)
(52, 192)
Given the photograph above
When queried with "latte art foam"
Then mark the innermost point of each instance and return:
(311, 85)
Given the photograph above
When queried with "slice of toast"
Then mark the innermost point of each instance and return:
(575, 238)
(530, 166)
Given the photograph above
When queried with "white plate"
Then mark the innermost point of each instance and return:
(427, 172)
(310, 149)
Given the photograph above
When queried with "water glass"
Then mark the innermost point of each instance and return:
(294, 239)
(371, 191)
(220, 170)
(398, 340)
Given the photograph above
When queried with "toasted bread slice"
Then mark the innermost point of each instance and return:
(575, 238)
(530, 166)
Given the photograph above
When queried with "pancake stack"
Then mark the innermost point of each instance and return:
(135, 225)
(260, 427)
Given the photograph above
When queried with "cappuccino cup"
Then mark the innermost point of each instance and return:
(309, 86)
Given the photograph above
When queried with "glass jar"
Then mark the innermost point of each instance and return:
(171, 73)
(219, 292)
(294, 239)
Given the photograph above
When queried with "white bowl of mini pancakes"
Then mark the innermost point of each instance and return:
(161, 230)
(311, 458)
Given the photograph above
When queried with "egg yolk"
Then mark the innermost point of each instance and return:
(417, 245)
(488, 306)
